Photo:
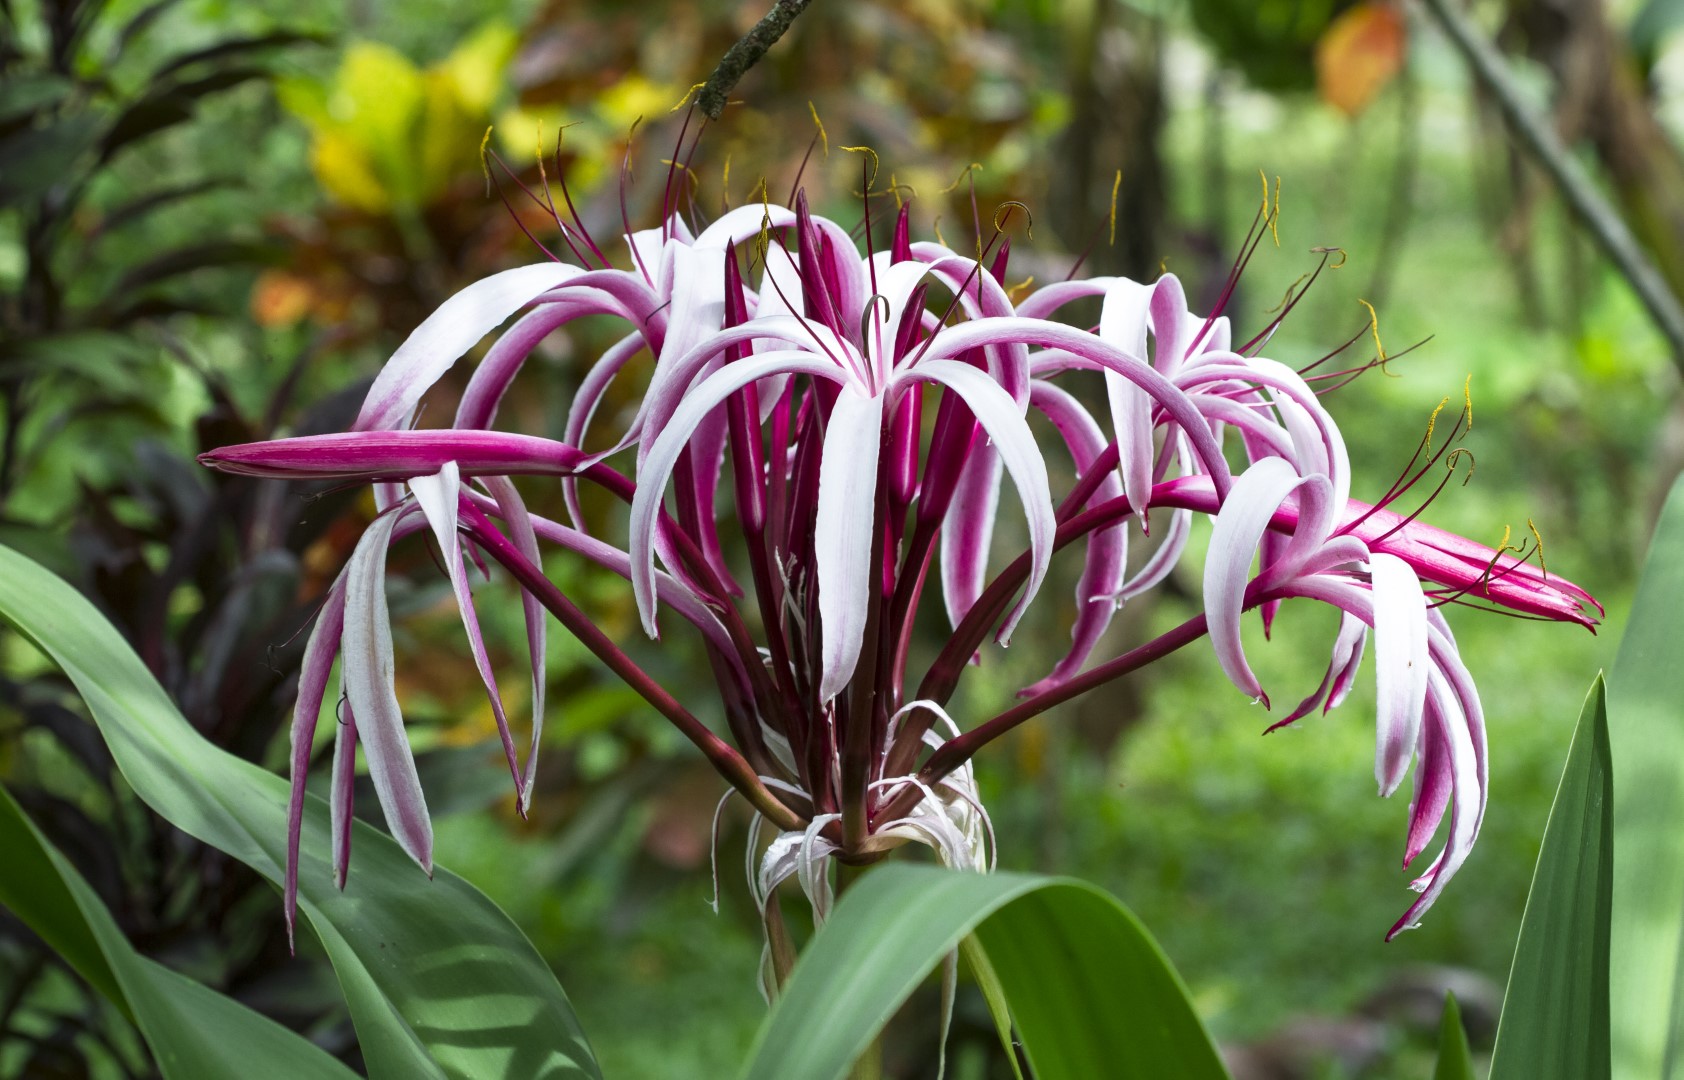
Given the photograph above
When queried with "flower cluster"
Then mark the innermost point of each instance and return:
(870, 408)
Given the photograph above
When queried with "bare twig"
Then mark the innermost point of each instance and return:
(1575, 185)
(746, 53)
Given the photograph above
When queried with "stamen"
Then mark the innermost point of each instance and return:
(1003, 214)
(1539, 537)
(872, 179)
(485, 162)
(820, 125)
(688, 94)
(1116, 186)
(1374, 326)
(1271, 217)
(1343, 255)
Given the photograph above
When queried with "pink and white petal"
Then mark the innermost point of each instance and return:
(1003, 422)
(438, 496)
(1123, 323)
(736, 226)
(1466, 805)
(842, 533)
(1239, 527)
(1347, 648)
(956, 340)
(1047, 299)
(1170, 330)
(1401, 666)
(663, 454)
(968, 530)
(449, 332)
(518, 524)
(319, 654)
(1171, 543)
(582, 409)
(1107, 549)
(366, 645)
(1432, 786)
(342, 790)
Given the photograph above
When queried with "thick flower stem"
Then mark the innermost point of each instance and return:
(727, 761)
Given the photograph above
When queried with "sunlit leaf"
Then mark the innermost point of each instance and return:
(1090, 992)
(1645, 692)
(1455, 1061)
(438, 980)
(1555, 1015)
(193, 1031)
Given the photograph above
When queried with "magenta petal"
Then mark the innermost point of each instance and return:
(842, 533)
(449, 332)
(438, 496)
(397, 455)
(368, 672)
(1400, 665)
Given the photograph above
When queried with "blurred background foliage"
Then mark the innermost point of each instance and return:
(216, 219)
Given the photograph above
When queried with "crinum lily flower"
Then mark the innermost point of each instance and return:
(866, 426)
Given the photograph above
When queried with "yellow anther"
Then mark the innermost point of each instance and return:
(1374, 328)
(1343, 255)
(485, 160)
(935, 227)
(688, 94)
(1271, 217)
(894, 189)
(1432, 421)
(1163, 266)
(1003, 214)
(538, 152)
(725, 183)
(824, 138)
(1116, 186)
(1014, 293)
(1539, 537)
(973, 167)
(865, 150)
(1468, 401)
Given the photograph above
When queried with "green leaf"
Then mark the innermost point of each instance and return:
(1455, 1061)
(1555, 1014)
(1646, 734)
(1090, 990)
(194, 1032)
(438, 980)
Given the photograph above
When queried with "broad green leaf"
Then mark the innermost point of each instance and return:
(438, 980)
(1646, 735)
(1555, 1014)
(1091, 993)
(1455, 1061)
(194, 1032)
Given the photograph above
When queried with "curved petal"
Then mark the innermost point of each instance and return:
(1400, 666)
(319, 654)
(368, 672)
(1233, 544)
(1001, 419)
(1107, 549)
(736, 226)
(438, 496)
(1123, 322)
(663, 455)
(512, 509)
(449, 332)
(968, 529)
(842, 533)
